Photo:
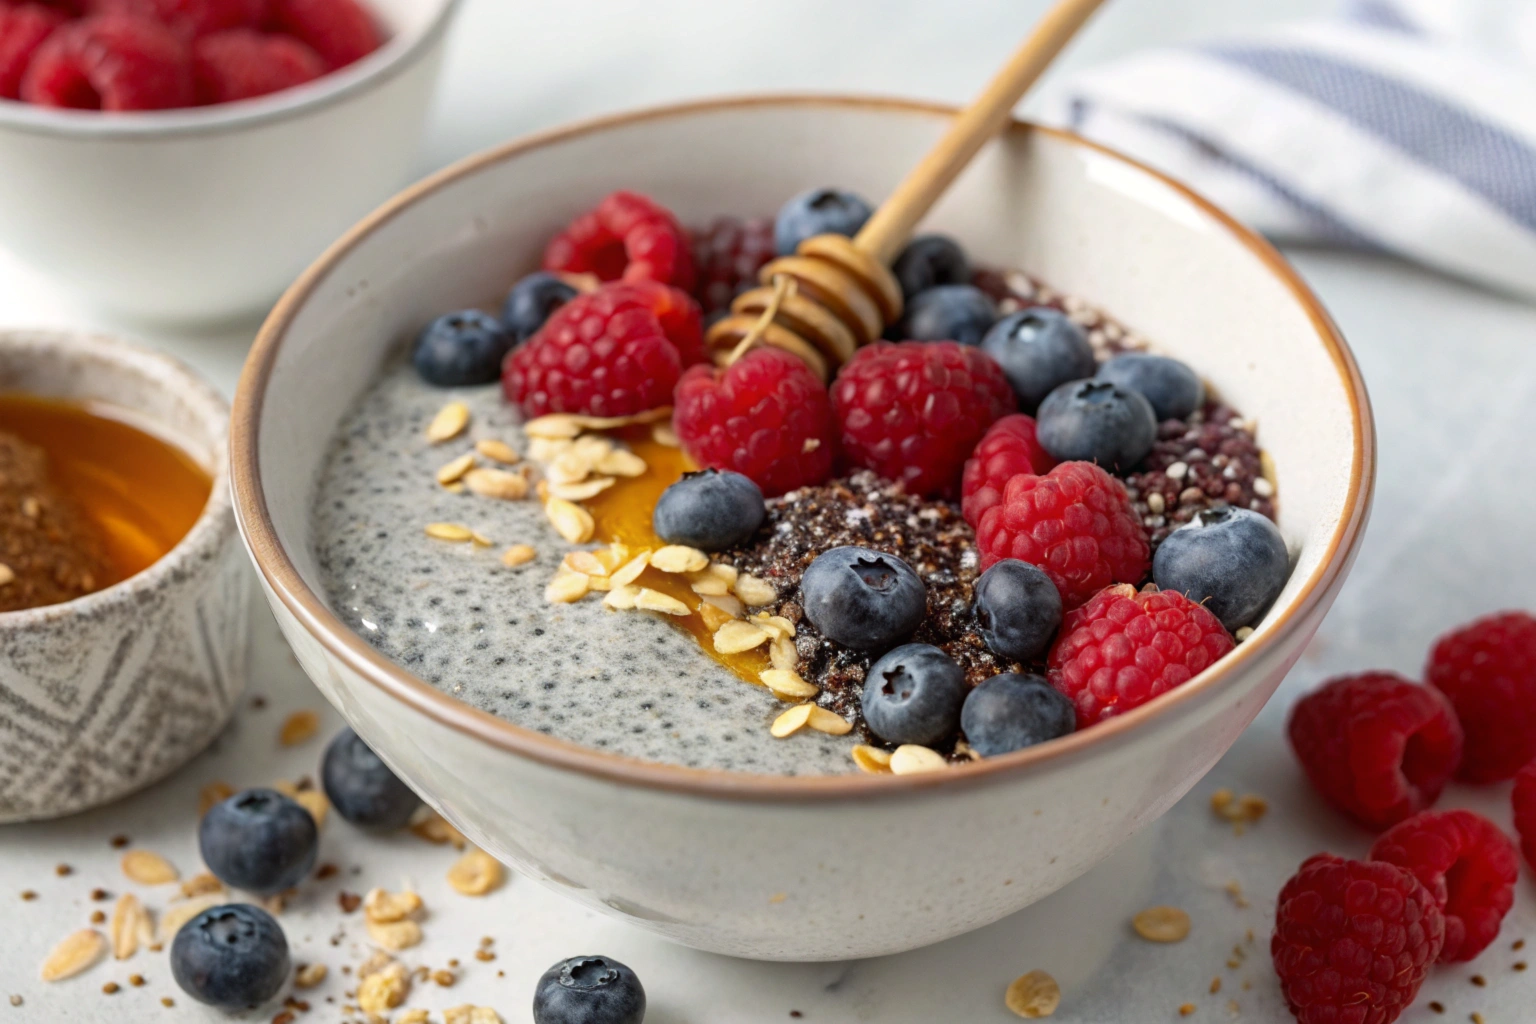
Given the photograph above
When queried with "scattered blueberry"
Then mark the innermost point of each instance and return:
(862, 599)
(362, 788)
(1018, 609)
(1096, 421)
(589, 990)
(1039, 349)
(259, 840)
(233, 956)
(1171, 387)
(913, 695)
(1013, 711)
(711, 510)
(530, 302)
(1232, 560)
(818, 211)
(929, 261)
(461, 348)
(948, 312)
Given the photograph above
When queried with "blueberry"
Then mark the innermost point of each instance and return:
(362, 788)
(1013, 711)
(1018, 609)
(1039, 349)
(930, 260)
(862, 599)
(589, 990)
(1171, 387)
(461, 348)
(232, 956)
(1232, 560)
(1096, 421)
(259, 840)
(530, 302)
(913, 695)
(948, 312)
(712, 510)
(818, 211)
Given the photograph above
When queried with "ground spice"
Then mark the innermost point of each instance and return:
(50, 551)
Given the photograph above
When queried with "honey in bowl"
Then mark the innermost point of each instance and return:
(87, 499)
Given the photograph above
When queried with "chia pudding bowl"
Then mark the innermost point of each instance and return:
(457, 514)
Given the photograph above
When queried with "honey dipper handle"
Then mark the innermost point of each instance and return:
(887, 231)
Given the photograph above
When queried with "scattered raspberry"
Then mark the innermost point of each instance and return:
(913, 411)
(189, 18)
(1488, 670)
(1466, 863)
(727, 256)
(1353, 940)
(628, 235)
(1008, 448)
(1075, 523)
(110, 62)
(22, 31)
(1125, 647)
(679, 316)
(766, 416)
(1525, 810)
(340, 31)
(1376, 746)
(242, 64)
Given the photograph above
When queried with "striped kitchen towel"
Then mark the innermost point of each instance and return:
(1407, 126)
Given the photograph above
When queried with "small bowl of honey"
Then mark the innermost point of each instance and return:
(123, 591)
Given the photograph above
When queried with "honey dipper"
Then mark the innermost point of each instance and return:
(835, 293)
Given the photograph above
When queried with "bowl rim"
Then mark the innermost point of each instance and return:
(397, 54)
(283, 579)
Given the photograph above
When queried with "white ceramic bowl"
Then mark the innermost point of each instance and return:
(207, 213)
(820, 867)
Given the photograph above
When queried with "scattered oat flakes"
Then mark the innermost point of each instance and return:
(298, 727)
(201, 884)
(584, 562)
(736, 636)
(455, 532)
(395, 935)
(518, 554)
(754, 592)
(1033, 995)
(434, 828)
(449, 422)
(384, 989)
(663, 434)
(556, 426)
(786, 684)
(729, 604)
(567, 587)
(148, 868)
(872, 759)
(315, 802)
(130, 927)
(213, 793)
(829, 722)
(713, 615)
(620, 462)
(1161, 924)
(451, 471)
(1241, 812)
(654, 601)
(589, 488)
(475, 874)
(444, 979)
(782, 654)
(570, 520)
(1243, 633)
(707, 584)
(791, 721)
(309, 975)
(1185, 1009)
(415, 1015)
(497, 450)
(497, 483)
(178, 914)
(631, 570)
(467, 1014)
(679, 558)
(913, 759)
(384, 907)
(77, 952)
(621, 598)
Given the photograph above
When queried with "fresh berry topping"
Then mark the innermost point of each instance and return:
(1075, 522)
(913, 695)
(340, 31)
(863, 599)
(1376, 746)
(187, 18)
(1096, 421)
(530, 302)
(242, 64)
(461, 348)
(627, 236)
(1171, 387)
(1012, 711)
(234, 956)
(1125, 647)
(1008, 448)
(1466, 863)
(678, 313)
(110, 62)
(1018, 610)
(913, 411)
(1231, 560)
(1353, 940)
(818, 211)
(727, 256)
(948, 312)
(362, 788)
(1488, 670)
(929, 261)
(765, 416)
(1039, 349)
(589, 990)
(1525, 810)
(710, 510)
(22, 31)
(258, 840)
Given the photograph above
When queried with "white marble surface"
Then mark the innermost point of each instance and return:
(1453, 374)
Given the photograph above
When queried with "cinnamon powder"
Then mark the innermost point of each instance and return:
(50, 551)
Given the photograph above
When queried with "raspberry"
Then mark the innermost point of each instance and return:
(1466, 863)
(913, 411)
(679, 316)
(766, 416)
(189, 18)
(727, 256)
(110, 62)
(22, 31)
(1125, 647)
(1488, 670)
(1376, 746)
(1075, 522)
(1353, 940)
(1525, 810)
(627, 236)
(340, 31)
(605, 353)
(241, 64)
(1007, 449)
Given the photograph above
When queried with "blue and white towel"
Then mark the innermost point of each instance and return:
(1404, 125)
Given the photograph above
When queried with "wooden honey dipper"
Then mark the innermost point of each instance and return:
(835, 293)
